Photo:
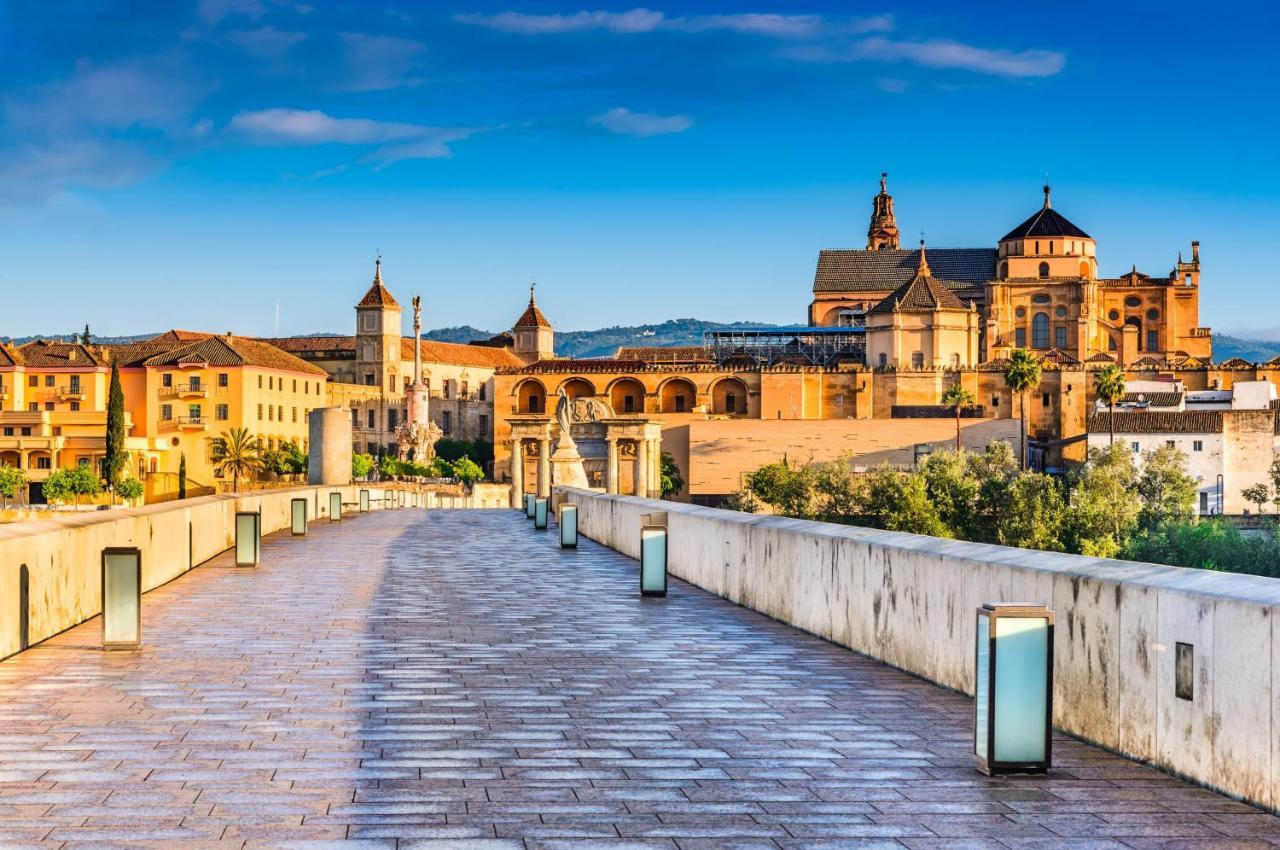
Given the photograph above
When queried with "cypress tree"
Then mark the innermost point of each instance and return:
(84, 338)
(114, 460)
(182, 476)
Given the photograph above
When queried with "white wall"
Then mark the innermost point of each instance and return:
(911, 601)
(1205, 465)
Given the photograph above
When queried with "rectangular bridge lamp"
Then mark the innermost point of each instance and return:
(653, 560)
(1013, 688)
(298, 517)
(540, 513)
(568, 526)
(335, 506)
(364, 501)
(529, 499)
(121, 597)
(248, 538)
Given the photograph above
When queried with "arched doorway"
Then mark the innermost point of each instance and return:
(578, 388)
(531, 397)
(729, 396)
(1135, 322)
(678, 396)
(627, 396)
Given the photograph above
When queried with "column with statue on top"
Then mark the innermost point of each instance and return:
(416, 438)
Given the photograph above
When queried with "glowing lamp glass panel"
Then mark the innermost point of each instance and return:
(298, 517)
(653, 561)
(569, 526)
(121, 598)
(540, 513)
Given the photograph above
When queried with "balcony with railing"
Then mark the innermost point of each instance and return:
(191, 389)
(71, 392)
(193, 423)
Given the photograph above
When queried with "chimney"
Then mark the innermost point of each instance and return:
(1195, 251)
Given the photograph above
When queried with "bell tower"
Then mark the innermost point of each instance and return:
(378, 336)
(883, 232)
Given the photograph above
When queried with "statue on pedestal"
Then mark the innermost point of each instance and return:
(416, 438)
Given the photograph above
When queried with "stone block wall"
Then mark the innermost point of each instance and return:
(910, 601)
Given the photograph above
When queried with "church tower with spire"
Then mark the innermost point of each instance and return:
(883, 232)
(534, 336)
(378, 336)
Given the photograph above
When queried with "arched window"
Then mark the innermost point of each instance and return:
(1004, 270)
(1040, 330)
(1044, 269)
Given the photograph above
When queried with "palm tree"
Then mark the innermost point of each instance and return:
(957, 398)
(238, 453)
(1021, 374)
(1108, 385)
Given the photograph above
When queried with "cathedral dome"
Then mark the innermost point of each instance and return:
(1047, 245)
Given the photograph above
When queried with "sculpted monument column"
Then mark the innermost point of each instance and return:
(642, 468)
(544, 467)
(611, 484)
(517, 473)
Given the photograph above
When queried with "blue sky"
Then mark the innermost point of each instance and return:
(192, 164)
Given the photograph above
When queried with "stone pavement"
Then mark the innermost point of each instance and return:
(453, 679)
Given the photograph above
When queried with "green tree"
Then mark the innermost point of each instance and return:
(361, 465)
(1108, 386)
(1033, 515)
(994, 470)
(182, 476)
(957, 398)
(129, 489)
(1274, 472)
(114, 460)
(64, 485)
(85, 338)
(672, 481)
(12, 480)
(466, 470)
(1259, 494)
(900, 502)
(237, 453)
(953, 490)
(837, 493)
(1104, 506)
(391, 466)
(275, 462)
(296, 460)
(1168, 493)
(782, 488)
(1022, 373)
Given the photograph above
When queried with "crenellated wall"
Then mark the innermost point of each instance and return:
(911, 600)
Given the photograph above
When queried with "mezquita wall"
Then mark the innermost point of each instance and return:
(910, 601)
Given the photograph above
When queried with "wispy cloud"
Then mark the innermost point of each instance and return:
(939, 53)
(393, 141)
(378, 62)
(215, 11)
(266, 43)
(624, 122)
(642, 20)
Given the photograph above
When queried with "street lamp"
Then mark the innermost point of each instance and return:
(653, 555)
(248, 538)
(1013, 688)
(540, 513)
(121, 597)
(364, 501)
(298, 517)
(529, 499)
(335, 506)
(568, 518)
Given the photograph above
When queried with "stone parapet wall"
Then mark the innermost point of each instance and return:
(910, 601)
(62, 554)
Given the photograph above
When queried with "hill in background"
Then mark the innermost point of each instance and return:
(606, 341)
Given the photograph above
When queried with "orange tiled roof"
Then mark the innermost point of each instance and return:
(214, 350)
(61, 355)
(532, 317)
(1158, 422)
(378, 295)
(664, 354)
(175, 335)
(460, 354)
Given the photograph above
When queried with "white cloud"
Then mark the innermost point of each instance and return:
(636, 20)
(394, 141)
(642, 20)
(624, 122)
(941, 53)
(266, 43)
(214, 11)
(281, 126)
(378, 62)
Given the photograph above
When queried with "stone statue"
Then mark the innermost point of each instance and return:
(416, 441)
(566, 463)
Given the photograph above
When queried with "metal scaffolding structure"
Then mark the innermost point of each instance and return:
(801, 345)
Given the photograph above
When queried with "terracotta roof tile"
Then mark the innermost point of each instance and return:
(922, 294)
(216, 351)
(599, 364)
(1158, 422)
(1163, 399)
(664, 354)
(460, 354)
(61, 355)
(532, 317)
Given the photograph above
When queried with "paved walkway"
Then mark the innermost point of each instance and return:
(455, 680)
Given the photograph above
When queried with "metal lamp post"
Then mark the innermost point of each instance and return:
(248, 538)
(298, 517)
(121, 597)
(568, 518)
(1013, 688)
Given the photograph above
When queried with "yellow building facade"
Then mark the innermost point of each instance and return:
(181, 389)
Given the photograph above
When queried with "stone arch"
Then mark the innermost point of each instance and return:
(626, 395)
(531, 396)
(11, 458)
(729, 396)
(678, 395)
(577, 387)
(1085, 270)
